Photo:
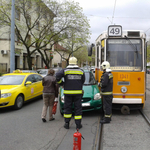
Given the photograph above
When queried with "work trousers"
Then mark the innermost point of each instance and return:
(107, 105)
(69, 100)
(48, 101)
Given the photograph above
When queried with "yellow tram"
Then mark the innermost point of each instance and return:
(125, 50)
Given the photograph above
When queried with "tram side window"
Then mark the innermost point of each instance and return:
(102, 55)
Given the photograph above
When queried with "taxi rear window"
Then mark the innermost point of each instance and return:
(11, 80)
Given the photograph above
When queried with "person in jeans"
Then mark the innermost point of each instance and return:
(50, 92)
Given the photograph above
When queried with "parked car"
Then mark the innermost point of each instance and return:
(44, 72)
(91, 99)
(86, 67)
(92, 68)
(18, 87)
(29, 71)
(148, 70)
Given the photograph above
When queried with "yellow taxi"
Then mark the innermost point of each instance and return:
(18, 87)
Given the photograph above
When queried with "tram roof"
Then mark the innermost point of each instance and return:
(124, 32)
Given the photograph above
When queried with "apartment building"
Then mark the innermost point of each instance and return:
(21, 59)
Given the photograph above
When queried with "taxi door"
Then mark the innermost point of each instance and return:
(38, 85)
(30, 89)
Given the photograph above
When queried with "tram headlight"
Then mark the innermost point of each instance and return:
(123, 89)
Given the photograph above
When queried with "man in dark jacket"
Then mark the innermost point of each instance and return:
(74, 78)
(50, 92)
(106, 85)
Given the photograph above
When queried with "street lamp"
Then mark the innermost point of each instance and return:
(12, 44)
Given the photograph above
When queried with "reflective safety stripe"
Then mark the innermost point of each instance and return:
(106, 93)
(108, 116)
(111, 76)
(72, 91)
(59, 81)
(78, 117)
(67, 115)
(73, 72)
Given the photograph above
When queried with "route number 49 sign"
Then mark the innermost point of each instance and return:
(115, 30)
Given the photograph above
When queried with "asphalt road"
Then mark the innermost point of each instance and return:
(24, 130)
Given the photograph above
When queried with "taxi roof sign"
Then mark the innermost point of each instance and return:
(17, 71)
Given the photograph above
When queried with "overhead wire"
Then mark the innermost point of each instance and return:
(114, 11)
(117, 17)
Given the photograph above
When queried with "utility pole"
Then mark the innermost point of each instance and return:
(12, 44)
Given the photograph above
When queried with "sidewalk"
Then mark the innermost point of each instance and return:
(146, 109)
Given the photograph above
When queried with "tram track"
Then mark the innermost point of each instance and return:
(145, 117)
(100, 128)
(98, 140)
(99, 147)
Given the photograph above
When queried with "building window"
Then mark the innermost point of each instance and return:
(44, 44)
(45, 13)
(17, 36)
(38, 9)
(29, 39)
(37, 26)
(17, 13)
(29, 3)
(45, 16)
(29, 20)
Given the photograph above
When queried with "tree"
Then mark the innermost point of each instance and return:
(45, 23)
(30, 33)
(148, 51)
(77, 34)
(81, 55)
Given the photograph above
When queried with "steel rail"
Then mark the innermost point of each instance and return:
(99, 147)
(98, 139)
(145, 117)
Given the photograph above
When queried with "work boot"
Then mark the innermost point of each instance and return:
(105, 120)
(78, 126)
(66, 125)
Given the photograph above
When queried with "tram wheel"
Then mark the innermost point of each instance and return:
(125, 110)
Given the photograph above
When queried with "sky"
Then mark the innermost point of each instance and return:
(130, 14)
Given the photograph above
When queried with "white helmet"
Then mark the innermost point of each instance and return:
(105, 65)
(72, 61)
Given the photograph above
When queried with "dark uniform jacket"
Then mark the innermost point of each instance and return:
(50, 85)
(74, 78)
(106, 83)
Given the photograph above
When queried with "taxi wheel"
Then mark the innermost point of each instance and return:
(19, 102)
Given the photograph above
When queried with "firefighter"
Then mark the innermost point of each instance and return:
(74, 78)
(106, 84)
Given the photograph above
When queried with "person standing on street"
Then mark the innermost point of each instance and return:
(106, 85)
(50, 92)
(74, 78)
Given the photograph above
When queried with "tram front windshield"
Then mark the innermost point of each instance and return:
(124, 54)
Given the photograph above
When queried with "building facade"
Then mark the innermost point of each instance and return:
(21, 54)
